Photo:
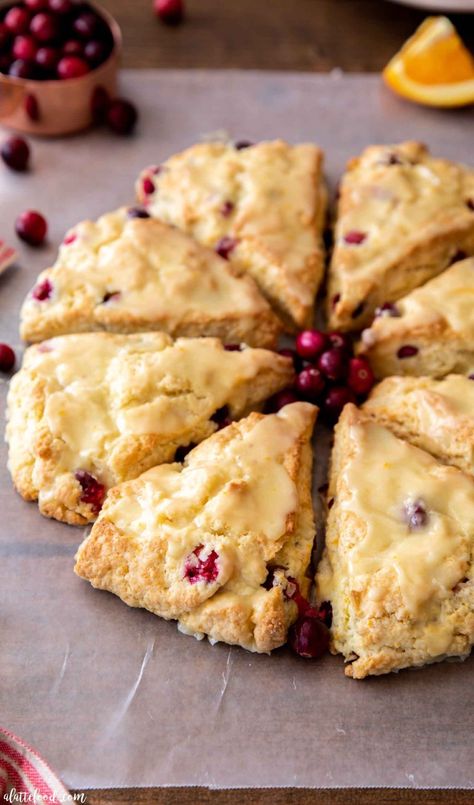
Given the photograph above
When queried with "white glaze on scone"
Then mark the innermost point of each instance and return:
(115, 405)
(436, 415)
(413, 213)
(242, 500)
(436, 321)
(127, 274)
(269, 198)
(398, 562)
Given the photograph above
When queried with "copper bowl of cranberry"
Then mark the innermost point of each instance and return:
(58, 64)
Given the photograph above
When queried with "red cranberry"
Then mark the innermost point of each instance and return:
(86, 25)
(200, 566)
(309, 637)
(227, 208)
(407, 351)
(93, 492)
(310, 343)
(15, 153)
(333, 364)
(310, 383)
(32, 107)
(340, 341)
(36, 5)
(5, 36)
(71, 67)
(111, 296)
(387, 309)
(47, 58)
(44, 27)
(171, 12)
(416, 514)
(73, 48)
(279, 400)
(31, 227)
(24, 47)
(148, 187)
(355, 238)
(60, 6)
(335, 400)
(70, 238)
(95, 52)
(17, 20)
(225, 246)
(121, 116)
(42, 291)
(286, 352)
(99, 104)
(7, 358)
(360, 377)
(137, 212)
(239, 145)
(21, 69)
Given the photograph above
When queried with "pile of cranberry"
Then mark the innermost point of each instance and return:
(328, 374)
(52, 39)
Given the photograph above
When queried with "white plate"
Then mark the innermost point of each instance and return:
(441, 5)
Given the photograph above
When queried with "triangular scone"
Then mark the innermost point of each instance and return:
(437, 415)
(127, 274)
(403, 216)
(202, 542)
(263, 206)
(428, 332)
(89, 411)
(398, 562)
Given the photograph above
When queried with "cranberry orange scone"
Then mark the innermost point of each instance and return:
(398, 562)
(89, 411)
(216, 542)
(403, 218)
(437, 415)
(428, 332)
(127, 273)
(261, 206)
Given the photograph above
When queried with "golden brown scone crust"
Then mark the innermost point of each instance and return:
(270, 198)
(126, 274)
(415, 213)
(402, 593)
(116, 405)
(436, 415)
(243, 498)
(436, 323)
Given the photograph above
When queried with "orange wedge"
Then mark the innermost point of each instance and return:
(433, 67)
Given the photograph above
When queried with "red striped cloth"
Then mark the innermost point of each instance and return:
(24, 772)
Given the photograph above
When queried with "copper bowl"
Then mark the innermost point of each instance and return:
(57, 107)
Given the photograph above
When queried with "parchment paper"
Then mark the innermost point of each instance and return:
(113, 696)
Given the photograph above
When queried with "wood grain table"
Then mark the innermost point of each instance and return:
(320, 35)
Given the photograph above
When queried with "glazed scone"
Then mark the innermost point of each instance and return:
(403, 216)
(125, 273)
(436, 415)
(200, 542)
(262, 206)
(398, 562)
(88, 411)
(428, 332)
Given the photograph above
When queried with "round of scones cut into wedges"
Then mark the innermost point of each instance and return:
(127, 272)
(262, 207)
(220, 542)
(77, 425)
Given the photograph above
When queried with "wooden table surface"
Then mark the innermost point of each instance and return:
(320, 35)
